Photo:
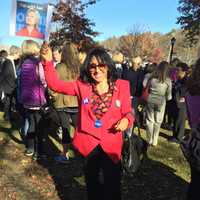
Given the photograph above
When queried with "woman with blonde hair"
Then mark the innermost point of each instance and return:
(31, 95)
(30, 48)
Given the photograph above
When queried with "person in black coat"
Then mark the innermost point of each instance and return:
(8, 80)
(118, 59)
(135, 75)
(3, 55)
(179, 112)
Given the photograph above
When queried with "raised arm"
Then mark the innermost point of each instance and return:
(53, 82)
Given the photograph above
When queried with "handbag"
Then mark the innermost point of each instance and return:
(145, 93)
(190, 146)
(133, 152)
(49, 113)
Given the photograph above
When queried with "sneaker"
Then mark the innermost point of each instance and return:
(61, 159)
(37, 156)
(29, 152)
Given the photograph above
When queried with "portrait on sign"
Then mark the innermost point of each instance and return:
(30, 20)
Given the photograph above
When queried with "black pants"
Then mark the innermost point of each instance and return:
(37, 131)
(67, 118)
(110, 187)
(7, 106)
(193, 190)
(135, 104)
(169, 113)
(179, 124)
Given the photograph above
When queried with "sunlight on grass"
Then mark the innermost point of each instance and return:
(170, 155)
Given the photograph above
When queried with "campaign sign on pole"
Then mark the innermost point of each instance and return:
(30, 20)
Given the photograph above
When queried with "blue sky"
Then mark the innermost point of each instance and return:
(113, 17)
(116, 17)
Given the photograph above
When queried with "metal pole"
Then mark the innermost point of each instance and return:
(173, 40)
(171, 53)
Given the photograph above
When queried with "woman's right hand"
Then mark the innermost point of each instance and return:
(45, 52)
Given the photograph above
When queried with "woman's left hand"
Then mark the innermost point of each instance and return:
(122, 124)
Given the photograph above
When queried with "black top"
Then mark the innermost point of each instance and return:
(179, 91)
(7, 77)
(135, 79)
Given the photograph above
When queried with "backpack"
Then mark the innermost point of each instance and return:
(31, 89)
(134, 150)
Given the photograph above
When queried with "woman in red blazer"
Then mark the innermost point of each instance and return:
(105, 112)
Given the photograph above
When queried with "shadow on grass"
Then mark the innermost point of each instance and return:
(164, 135)
(64, 177)
(167, 136)
(154, 181)
(9, 133)
(10, 128)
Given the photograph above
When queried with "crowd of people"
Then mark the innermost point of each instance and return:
(94, 98)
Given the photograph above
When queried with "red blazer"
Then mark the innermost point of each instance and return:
(35, 33)
(87, 136)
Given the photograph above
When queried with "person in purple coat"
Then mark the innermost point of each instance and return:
(193, 110)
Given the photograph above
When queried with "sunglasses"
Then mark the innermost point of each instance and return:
(92, 67)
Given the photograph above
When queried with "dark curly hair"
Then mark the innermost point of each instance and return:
(193, 83)
(102, 55)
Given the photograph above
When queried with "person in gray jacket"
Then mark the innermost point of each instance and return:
(160, 89)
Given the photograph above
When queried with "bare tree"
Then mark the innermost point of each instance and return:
(129, 45)
(138, 42)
